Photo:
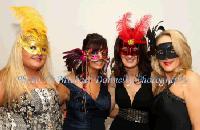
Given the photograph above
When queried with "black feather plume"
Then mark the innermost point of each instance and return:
(151, 35)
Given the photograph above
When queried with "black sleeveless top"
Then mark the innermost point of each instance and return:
(83, 112)
(170, 112)
(142, 101)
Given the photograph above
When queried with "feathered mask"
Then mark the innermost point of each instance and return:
(136, 34)
(77, 57)
(29, 19)
(151, 35)
(33, 30)
(74, 58)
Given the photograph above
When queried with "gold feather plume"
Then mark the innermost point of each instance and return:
(29, 19)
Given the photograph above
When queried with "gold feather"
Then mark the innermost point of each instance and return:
(29, 19)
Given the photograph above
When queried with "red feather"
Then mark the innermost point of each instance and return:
(123, 27)
(141, 28)
(137, 33)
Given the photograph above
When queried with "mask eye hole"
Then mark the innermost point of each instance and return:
(135, 49)
(33, 47)
(173, 51)
(94, 52)
(104, 52)
(44, 49)
(160, 52)
(124, 49)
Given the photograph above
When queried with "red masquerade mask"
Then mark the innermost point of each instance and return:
(129, 50)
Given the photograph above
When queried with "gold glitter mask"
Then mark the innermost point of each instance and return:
(34, 44)
(33, 36)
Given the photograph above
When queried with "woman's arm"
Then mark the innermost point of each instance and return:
(63, 92)
(192, 98)
(114, 112)
(111, 89)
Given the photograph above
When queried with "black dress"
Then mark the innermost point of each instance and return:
(83, 112)
(135, 115)
(170, 112)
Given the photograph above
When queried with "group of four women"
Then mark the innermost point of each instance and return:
(151, 85)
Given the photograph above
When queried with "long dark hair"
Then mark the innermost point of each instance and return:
(92, 41)
(144, 64)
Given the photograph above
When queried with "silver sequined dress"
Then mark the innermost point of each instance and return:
(39, 110)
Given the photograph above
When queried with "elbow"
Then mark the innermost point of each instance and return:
(114, 113)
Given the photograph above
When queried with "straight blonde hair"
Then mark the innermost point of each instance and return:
(12, 73)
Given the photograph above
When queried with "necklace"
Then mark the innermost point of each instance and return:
(132, 81)
(91, 93)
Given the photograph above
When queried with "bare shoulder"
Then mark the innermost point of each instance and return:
(192, 97)
(192, 84)
(71, 76)
(192, 78)
(63, 92)
(62, 88)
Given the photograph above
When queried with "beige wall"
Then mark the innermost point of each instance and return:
(69, 21)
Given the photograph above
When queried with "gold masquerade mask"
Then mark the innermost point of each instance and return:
(34, 44)
(33, 30)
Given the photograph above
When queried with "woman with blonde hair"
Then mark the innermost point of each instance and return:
(29, 99)
(177, 101)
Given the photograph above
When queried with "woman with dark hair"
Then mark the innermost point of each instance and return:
(86, 96)
(129, 89)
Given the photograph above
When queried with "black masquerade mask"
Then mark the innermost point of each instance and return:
(165, 51)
